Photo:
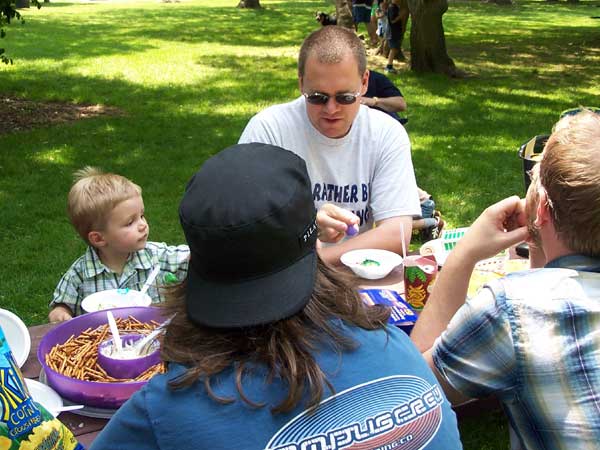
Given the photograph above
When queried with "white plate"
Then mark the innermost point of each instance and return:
(384, 262)
(45, 396)
(17, 336)
(86, 411)
(114, 298)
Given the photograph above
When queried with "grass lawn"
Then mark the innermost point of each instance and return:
(187, 76)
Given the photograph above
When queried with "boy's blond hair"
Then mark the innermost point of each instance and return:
(93, 197)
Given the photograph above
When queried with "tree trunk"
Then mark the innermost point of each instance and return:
(501, 2)
(343, 12)
(22, 4)
(427, 41)
(254, 4)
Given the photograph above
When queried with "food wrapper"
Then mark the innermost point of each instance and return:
(401, 314)
(492, 268)
(25, 424)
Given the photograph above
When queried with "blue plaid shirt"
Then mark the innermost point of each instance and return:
(88, 275)
(533, 340)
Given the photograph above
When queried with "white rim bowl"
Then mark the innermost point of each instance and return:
(387, 260)
(114, 298)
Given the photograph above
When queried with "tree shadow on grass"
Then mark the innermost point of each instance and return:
(106, 31)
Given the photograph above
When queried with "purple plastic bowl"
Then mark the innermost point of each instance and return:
(92, 393)
(126, 368)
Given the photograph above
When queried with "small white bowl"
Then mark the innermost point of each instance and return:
(371, 263)
(114, 298)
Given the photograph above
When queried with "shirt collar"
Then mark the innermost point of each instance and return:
(93, 265)
(582, 263)
(140, 259)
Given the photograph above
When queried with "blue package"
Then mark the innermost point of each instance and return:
(402, 314)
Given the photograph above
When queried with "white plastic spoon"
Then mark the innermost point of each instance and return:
(57, 411)
(142, 343)
(150, 279)
(115, 332)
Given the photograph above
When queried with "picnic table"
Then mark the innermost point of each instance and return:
(86, 429)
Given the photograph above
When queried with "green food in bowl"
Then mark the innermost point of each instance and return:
(370, 262)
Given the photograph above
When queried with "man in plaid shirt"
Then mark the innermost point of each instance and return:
(531, 338)
(107, 211)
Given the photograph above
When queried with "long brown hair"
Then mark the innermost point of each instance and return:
(285, 347)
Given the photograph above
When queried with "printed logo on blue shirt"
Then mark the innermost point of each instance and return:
(397, 412)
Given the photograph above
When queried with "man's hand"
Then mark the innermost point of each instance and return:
(385, 236)
(497, 228)
(501, 225)
(333, 221)
(60, 314)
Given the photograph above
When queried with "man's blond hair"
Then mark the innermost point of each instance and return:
(330, 45)
(94, 195)
(570, 174)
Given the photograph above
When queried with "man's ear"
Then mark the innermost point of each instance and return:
(96, 239)
(365, 82)
(542, 213)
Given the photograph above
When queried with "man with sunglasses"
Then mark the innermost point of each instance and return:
(358, 158)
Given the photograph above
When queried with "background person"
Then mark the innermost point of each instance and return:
(397, 15)
(530, 338)
(361, 13)
(385, 96)
(358, 158)
(270, 348)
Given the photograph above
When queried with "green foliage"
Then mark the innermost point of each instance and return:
(7, 14)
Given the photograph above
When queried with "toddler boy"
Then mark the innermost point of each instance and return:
(107, 211)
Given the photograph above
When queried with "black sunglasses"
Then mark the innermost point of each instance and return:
(317, 98)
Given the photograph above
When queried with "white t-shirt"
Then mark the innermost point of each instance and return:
(369, 171)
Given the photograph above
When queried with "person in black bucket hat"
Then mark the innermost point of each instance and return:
(250, 248)
(268, 347)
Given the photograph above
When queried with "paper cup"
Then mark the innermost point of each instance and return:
(419, 276)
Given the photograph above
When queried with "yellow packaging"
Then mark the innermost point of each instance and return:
(24, 424)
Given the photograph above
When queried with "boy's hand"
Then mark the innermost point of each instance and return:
(60, 314)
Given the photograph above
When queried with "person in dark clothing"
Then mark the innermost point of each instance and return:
(397, 18)
(383, 95)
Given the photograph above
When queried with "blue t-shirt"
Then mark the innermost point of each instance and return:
(385, 395)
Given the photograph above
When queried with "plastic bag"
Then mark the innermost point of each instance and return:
(25, 424)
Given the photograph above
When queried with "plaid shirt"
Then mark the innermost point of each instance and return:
(533, 340)
(88, 275)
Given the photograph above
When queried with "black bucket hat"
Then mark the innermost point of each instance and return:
(249, 219)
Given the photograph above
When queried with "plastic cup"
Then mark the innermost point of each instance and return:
(419, 276)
